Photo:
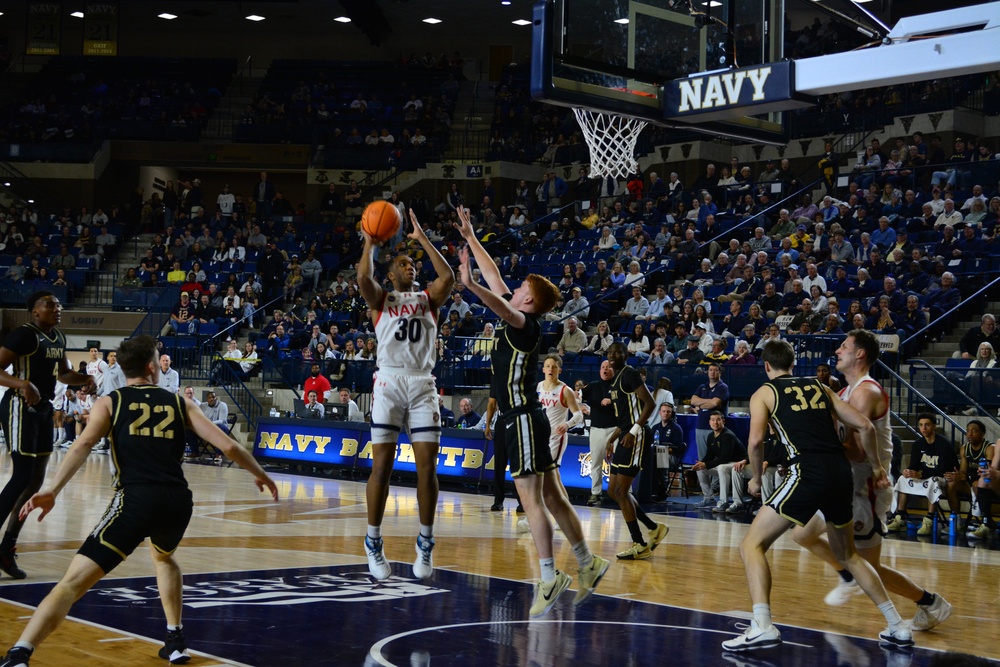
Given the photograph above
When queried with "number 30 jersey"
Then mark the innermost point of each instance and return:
(147, 436)
(406, 329)
(802, 417)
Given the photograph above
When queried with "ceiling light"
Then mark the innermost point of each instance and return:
(77, 15)
(505, 3)
(168, 17)
(432, 21)
(860, 2)
(254, 17)
(342, 19)
(6, 184)
(521, 22)
(622, 21)
(712, 3)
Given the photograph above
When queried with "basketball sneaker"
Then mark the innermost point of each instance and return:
(636, 552)
(980, 533)
(926, 526)
(594, 500)
(588, 578)
(706, 503)
(735, 508)
(378, 566)
(897, 524)
(546, 594)
(720, 507)
(522, 525)
(17, 657)
(842, 592)
(8, 564)
(175, 648)
(754, 638)
(900, 637)
(657, 534)
(928, 616)
(423, 567)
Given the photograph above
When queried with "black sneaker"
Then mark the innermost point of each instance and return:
(519, 509)
(16, 657)
(8, 564)
(175, 648)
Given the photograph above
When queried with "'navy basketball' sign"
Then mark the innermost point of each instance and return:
(733, 93)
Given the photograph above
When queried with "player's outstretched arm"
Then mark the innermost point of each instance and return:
(491, 274)
(97, 427)
(761, 404)
(211, 433)
(490, 299)
(370, 290)
(440, 289)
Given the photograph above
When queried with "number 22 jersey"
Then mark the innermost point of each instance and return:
(406, 328)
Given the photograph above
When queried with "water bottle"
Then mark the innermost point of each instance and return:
(984, 467)
(952, 525)
(656, 438)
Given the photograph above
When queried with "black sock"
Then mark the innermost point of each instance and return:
(846, 575)
(926, 599)
(985, 498)
(641, 516)
(635, 532)
(8, 542)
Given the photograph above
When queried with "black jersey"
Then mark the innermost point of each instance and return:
(802, 417)
(974, 457)
(628, 407)
(515, 365)
(39, 356)
(147, 436)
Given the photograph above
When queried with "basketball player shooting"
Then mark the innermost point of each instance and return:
(405, 393)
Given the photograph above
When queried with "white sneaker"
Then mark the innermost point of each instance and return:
(901, 637)
(522, 525)
(423, 567)
(928, 616)
(735, 508)
(754, 638)
(378, 566)
(720, 508)
(842, 592)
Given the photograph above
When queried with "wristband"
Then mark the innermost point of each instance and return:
(577, 418)
(635, 430)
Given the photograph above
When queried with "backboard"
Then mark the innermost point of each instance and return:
(620, 57)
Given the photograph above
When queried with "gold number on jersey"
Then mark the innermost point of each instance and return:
(160, 430)
(815, 402)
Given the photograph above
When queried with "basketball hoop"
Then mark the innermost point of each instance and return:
(611, 140)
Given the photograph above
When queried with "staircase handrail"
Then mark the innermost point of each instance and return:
(946, 419)
(966, 398)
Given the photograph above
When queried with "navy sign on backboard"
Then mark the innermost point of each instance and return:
(732, 93)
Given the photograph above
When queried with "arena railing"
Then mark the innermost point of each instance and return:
(983, 383)
(905, 399)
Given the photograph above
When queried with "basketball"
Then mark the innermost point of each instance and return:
(380, 220)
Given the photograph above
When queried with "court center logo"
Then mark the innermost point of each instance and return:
(280, 591)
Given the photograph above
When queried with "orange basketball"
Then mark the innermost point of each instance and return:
(380, 220)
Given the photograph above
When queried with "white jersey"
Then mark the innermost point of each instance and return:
(883, 429)
(556, 409)
(406, 330)
(96, 369)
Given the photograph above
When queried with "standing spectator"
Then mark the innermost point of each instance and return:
(316, 382)
(224, 203)
(709, 397)
(114, 377)
(96, 368)
(263, 197)
(598, 406)
(169, 378)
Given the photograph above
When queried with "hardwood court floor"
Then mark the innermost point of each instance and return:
(321, 522)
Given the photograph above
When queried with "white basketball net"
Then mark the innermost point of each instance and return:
(611, 140)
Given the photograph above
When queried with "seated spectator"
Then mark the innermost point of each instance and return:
(573, 339)
(723, 449)
(941, 300)
(354, 413)
(930, 458)
(742, 355)
(468, 417)
(313, 407)
(638, 343)
(718, 354)
(182, 318)
(217, 411)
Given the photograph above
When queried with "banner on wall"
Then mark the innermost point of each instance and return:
(43, 29)
(100, 29)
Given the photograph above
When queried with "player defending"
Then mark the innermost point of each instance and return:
(855, 357)
(515, 364)
(146, 426)
(633, 405)
(37, 350)
(802, 411)
(404, 393)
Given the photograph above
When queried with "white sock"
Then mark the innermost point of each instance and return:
(26, 645)
(427, 532)
(173, 628)
(582, 552)
(548, 569)
(888, 610)
(375, 532)
(762, 614)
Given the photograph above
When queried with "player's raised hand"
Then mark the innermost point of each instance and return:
(41, 500)
(418, 231)
(369, 241)
(464, 224)
(465, 266)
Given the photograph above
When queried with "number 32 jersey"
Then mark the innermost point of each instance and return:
(406, 329)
